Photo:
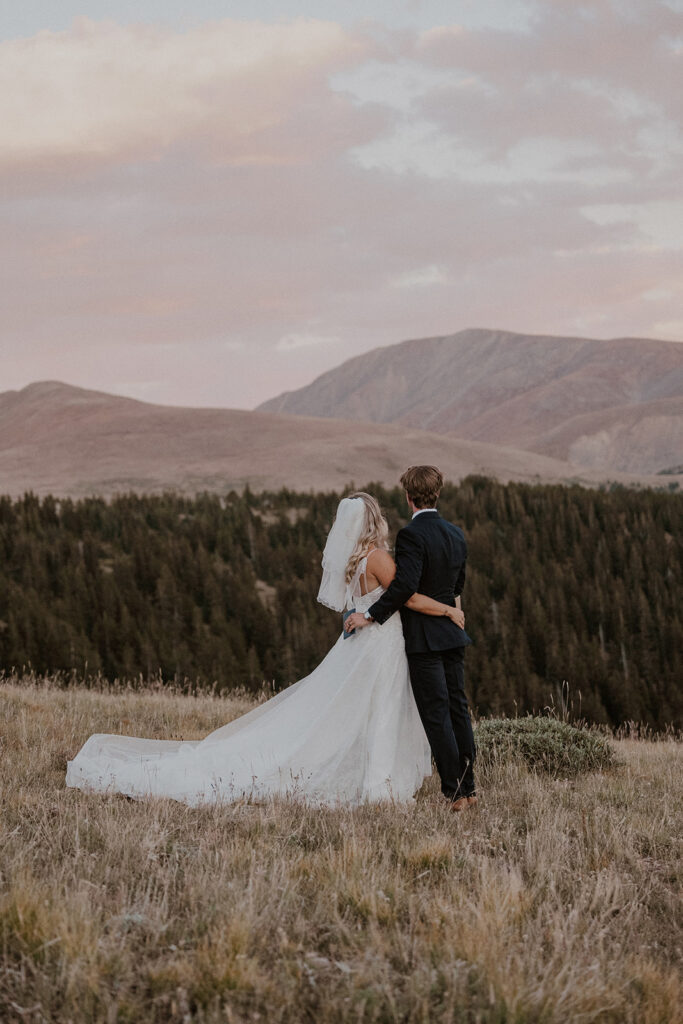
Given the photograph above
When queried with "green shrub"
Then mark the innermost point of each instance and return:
(545, 744)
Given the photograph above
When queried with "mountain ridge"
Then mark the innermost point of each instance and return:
(511, 389)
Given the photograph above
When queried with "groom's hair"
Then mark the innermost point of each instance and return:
(422, 484)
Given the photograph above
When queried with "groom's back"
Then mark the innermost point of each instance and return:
(444, 555)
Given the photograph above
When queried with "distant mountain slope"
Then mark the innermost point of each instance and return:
(67, 441)
(611, 405)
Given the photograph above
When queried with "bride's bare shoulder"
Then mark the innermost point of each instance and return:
(382, 566)
(380, 556)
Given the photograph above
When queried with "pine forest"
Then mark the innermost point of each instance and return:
(573, 596)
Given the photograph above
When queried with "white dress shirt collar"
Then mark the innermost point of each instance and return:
(419, 511)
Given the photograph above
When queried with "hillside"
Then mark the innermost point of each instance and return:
(67, 441)
(609, 405)
(555, 901)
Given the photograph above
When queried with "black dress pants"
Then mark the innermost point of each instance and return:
(438, 682)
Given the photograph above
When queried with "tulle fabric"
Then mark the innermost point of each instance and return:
(340, 544)
(347, 733)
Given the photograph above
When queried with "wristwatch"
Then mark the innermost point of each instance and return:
(368, 615)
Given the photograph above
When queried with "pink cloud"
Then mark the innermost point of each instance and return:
(593, 52)
(106, 92)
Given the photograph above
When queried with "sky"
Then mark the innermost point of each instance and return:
(209, 203)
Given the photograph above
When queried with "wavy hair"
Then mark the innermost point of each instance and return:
(375, 532)
(423, 485)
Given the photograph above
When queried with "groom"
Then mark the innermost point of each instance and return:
(430, 559)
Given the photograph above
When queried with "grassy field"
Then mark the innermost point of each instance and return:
(555, 901)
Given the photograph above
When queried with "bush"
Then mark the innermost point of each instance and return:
(545, 744)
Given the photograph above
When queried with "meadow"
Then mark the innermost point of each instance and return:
(557, 900)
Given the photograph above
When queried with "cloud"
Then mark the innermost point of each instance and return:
(238, 88)
(604, 75)
(291, 342)
(420, 277)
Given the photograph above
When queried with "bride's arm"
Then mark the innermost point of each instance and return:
(382, 566)
(428, 606)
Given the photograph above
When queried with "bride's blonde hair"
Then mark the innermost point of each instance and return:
(375, 532)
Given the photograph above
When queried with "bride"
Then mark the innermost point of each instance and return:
(347, 733)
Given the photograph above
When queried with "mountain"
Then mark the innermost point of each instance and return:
(609, 405)
(67, 441)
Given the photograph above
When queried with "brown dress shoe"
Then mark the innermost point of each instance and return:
(460, 805)
(472, 801)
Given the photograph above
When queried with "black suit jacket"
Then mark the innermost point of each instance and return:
(430, 559)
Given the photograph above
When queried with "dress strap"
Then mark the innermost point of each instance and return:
(361, 570)
(364, 563)
(353, 583)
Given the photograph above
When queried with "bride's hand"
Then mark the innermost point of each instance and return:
(457, 616)
(356, 621)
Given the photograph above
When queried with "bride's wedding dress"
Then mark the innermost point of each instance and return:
(347, 733)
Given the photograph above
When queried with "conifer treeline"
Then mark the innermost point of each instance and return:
(563, 584)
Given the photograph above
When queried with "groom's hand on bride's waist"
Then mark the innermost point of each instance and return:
(356, 621)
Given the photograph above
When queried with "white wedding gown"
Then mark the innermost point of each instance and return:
(347, 733)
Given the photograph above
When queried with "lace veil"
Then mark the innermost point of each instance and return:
(341, 541)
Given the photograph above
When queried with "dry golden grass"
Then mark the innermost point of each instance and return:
(553, 902)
